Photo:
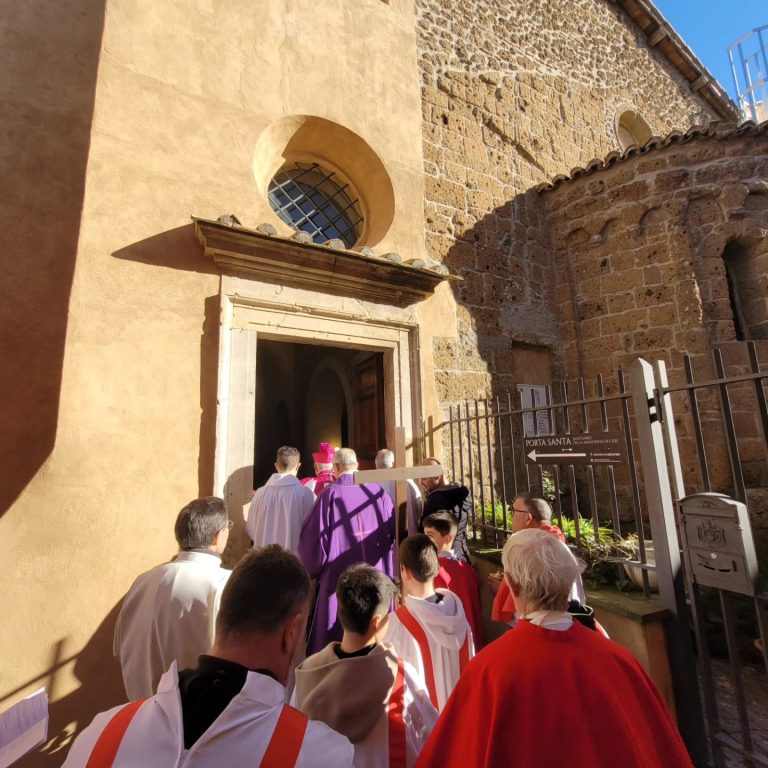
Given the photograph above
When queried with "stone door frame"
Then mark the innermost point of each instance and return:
(247, 315)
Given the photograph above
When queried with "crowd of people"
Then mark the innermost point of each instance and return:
(331, 643)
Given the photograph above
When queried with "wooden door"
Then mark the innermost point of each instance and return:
(368, 388)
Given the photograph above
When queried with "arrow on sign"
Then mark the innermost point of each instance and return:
(533, 456)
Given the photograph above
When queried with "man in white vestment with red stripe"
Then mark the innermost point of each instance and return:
(360, 687)
(230, 710)
(430, 629)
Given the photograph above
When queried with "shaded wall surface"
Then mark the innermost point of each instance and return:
(514, 94)
(49, 55)
(118, 126)
(642, 247)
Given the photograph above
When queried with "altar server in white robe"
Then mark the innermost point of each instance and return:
(385, 459)
(169, 612)
(230, 709)
(430, 629)
(279, 508)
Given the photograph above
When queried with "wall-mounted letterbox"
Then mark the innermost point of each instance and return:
(718, 540)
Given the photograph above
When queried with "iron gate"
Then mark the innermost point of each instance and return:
(705, 433)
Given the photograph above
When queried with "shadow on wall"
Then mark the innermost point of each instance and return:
(177, 249)
(101, 687)
(49, 56)
(506, 301)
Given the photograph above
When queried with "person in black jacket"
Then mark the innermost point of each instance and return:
(447, 497)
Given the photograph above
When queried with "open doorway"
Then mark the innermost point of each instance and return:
(309, 393)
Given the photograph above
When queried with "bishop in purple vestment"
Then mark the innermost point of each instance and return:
(348, 524)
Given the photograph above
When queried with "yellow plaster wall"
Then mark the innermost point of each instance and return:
(183, 90)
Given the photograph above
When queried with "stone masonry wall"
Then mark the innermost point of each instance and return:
(640, 272)
(512, 95)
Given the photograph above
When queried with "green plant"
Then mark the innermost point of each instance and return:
(548, 485)
(600, 553)
(494, 514)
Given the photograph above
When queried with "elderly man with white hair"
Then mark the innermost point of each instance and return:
(348, 524)
(552, 670)
(385, 459)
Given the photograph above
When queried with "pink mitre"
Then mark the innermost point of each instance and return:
(324, 454)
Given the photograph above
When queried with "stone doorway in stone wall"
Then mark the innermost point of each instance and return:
(312, 393)
(276, 342)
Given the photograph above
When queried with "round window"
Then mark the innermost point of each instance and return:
(310, 198)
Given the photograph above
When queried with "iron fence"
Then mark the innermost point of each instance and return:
(594, 505)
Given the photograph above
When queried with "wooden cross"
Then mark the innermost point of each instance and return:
(400, 474)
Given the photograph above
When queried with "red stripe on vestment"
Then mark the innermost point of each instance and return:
(105, 749)
(408, 620)
(287, 738)
(396, 710)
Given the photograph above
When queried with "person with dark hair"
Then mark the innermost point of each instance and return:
(230, 708)
(169, 611)
(453, 573)
(349, 523)
(453, 497)
(359, 686)
(429, 629)
(551, 669)
(279, 508)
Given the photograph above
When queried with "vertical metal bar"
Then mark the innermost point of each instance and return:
(590, 468)
(488, 418)
(690, 717)
(611, 476)
(738, 682)
(500, 440)
(762, 406)
(632, 465)
(480, 470)
(571, 470)
(558, 502)
(519, 398)
(461, 451)
(512, 443)
(471, 484)
(707, 675)
(761, 607)
(453, 443)
(739, 488)
(697, 431)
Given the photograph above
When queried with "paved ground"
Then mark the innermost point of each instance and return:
(756, 693)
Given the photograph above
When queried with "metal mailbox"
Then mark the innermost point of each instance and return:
(717, 538)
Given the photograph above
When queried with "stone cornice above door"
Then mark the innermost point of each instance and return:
(329, 268)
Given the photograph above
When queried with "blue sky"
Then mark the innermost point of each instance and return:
(709, 27)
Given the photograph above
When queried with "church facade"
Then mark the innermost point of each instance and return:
(237, 225)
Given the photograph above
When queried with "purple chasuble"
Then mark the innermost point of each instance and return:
(349, 524)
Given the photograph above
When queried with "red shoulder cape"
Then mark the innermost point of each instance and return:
(461, 579)
(604, 709)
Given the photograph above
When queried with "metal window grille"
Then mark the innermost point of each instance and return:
(309, 198)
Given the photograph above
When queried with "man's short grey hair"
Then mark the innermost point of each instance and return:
(385, 459)
(345, 457)
(542, 567)
(287, 458)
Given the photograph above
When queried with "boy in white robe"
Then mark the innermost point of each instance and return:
(279, 508)
(360, 687)
(429, 630)
(230, 710)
